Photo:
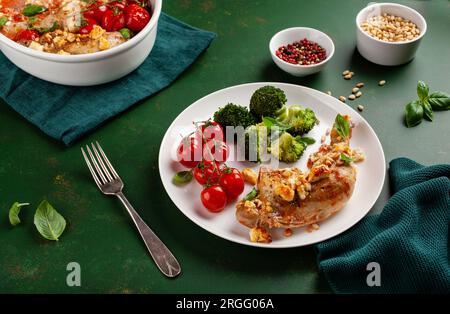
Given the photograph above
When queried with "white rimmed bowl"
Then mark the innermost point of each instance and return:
(86, 69)
(388, 53)
(290, 35)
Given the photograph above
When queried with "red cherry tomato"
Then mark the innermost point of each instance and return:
(27, 35)
(96, 11)
(189, 152)
(216, 150)
(211, 130)
(121, 4)
(88, 26)
(207, 172)
(214, 198)
(136, 17)
(232, 182)
(113, 20)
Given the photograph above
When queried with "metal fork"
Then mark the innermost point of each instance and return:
(109, 182)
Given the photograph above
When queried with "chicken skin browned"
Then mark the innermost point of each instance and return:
(287, 198)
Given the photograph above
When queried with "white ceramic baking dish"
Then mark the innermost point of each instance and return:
(86, 69)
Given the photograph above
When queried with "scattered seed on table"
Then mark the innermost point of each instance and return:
(345, 72)
(348, 76)
(329, 93)
(360, 85)
(355, 90)
(358, 94)
(360, 107)
(381, 83)
(352, 73)
(351, 97)
(342, 98)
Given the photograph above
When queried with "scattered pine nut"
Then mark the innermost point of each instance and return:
(352, 73)
(345, 72)
(342, 98)
(381, 83)
(329, 93)
(355, 90)
(347, 77)
(358, 94)
(360, 107)
(360, 85)
(352, 97)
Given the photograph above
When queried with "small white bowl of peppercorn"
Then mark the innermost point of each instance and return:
(301, 51)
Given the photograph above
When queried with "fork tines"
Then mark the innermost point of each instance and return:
(101, 169)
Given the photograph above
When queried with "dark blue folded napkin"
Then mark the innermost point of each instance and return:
(66, 113)
(409, 240)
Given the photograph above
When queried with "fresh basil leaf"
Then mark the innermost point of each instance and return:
(439, 101)
(14, 211)
(32, 20)
(346, 159)
(413, 113)
(182, 177)
(54, 27)
(3, 21)
(126, 33)
(251, 195)
(33, 9)
(48, 221)
(342, 126)
(427, 110)
(305, 140)
(422, 90)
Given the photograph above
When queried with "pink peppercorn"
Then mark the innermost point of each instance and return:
(303, 52)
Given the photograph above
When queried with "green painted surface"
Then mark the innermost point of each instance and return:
(100, 235)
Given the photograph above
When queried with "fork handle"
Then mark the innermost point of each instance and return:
(163, 258)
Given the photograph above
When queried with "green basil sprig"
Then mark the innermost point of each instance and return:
(49, 222)
(423, 107)
(342, 126)
(3, 21)
(346, 159)
(14, 211)
(182, 177)
(251, 195)
(33, 9)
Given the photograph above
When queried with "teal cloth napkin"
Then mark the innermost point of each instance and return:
(409, 239)
(66, 113)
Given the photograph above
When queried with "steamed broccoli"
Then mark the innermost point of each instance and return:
(286, 148)
(256, 142)
(234, 115)
(299, 119)
(266, 101)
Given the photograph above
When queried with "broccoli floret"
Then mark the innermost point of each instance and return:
(234, 115)
(301, 120)
(266, 101)
(256, 142)
(286, 148)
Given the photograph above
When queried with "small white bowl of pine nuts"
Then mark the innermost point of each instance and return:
(389, 33)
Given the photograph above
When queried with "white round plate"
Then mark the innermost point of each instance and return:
(369, 181)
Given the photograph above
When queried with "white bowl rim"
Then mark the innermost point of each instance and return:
(88, 56)
(300, 66)
(422, 33)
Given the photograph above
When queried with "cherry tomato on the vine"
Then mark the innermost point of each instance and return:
(96, 11)
(214, 198)
(211, 130)
(207, 172)
(232, 182)
(189, 152)
(27, 35)
(216, 150)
